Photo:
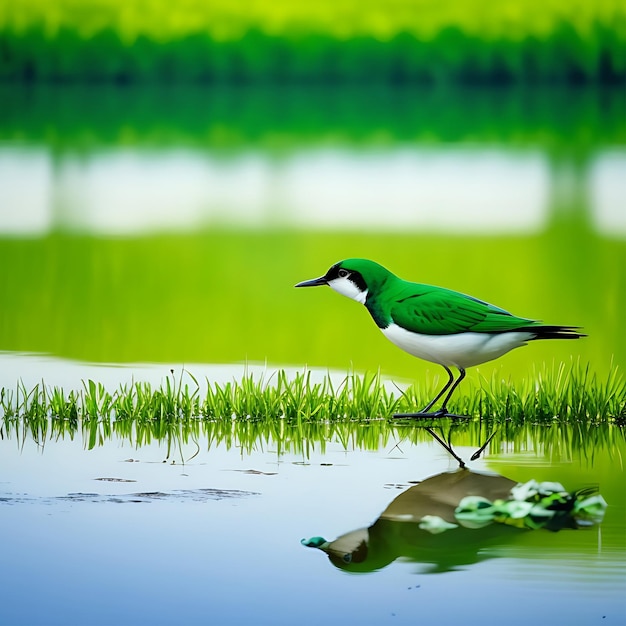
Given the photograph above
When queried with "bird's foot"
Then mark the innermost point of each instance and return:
(428, 415)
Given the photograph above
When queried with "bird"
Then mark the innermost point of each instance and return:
(435, 324)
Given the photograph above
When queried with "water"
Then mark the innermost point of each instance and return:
(142, 230)
(126, 532)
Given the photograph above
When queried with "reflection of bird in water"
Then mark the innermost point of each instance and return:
(426, 524)
(433, 323)
(397, 533)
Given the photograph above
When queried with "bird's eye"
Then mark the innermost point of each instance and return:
(343, 273)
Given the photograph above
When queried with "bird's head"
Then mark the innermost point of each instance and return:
(354, 278)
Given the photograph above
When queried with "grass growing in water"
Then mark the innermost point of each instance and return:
(562, 394)
(184, 439)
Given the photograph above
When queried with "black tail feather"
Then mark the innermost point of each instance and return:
(553, 332)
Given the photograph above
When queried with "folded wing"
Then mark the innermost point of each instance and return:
(437, 311)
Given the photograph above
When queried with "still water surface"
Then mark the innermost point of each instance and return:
(209, 529)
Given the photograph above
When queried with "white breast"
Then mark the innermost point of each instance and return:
(460, 350)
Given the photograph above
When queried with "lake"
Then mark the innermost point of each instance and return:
(145, 229)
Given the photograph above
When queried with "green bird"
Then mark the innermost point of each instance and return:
(435, 324)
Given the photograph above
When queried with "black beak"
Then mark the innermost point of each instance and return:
(314, 282)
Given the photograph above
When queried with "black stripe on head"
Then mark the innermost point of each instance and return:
(337, 271)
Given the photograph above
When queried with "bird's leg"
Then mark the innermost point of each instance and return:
(425, 411)
(443, 408)
(443, 411)
(431, 404)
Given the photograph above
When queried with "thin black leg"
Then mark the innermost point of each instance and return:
(456, 384)
(451, 385)
(443, 390)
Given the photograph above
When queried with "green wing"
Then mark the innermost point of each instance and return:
(437, 311)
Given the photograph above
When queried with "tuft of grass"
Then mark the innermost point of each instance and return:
(555, 395)
(299, 399)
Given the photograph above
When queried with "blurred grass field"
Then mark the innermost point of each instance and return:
(344, 40)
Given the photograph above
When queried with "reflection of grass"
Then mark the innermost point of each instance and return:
(325, 41)
(557, 396)
(81, 118)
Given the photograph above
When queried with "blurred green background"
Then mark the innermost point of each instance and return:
(168, 173)
(329, 41)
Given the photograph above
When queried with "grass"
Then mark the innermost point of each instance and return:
(346, 40)
(561, 414)
(570, 395)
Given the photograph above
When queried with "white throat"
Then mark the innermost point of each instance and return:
(346, 287)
